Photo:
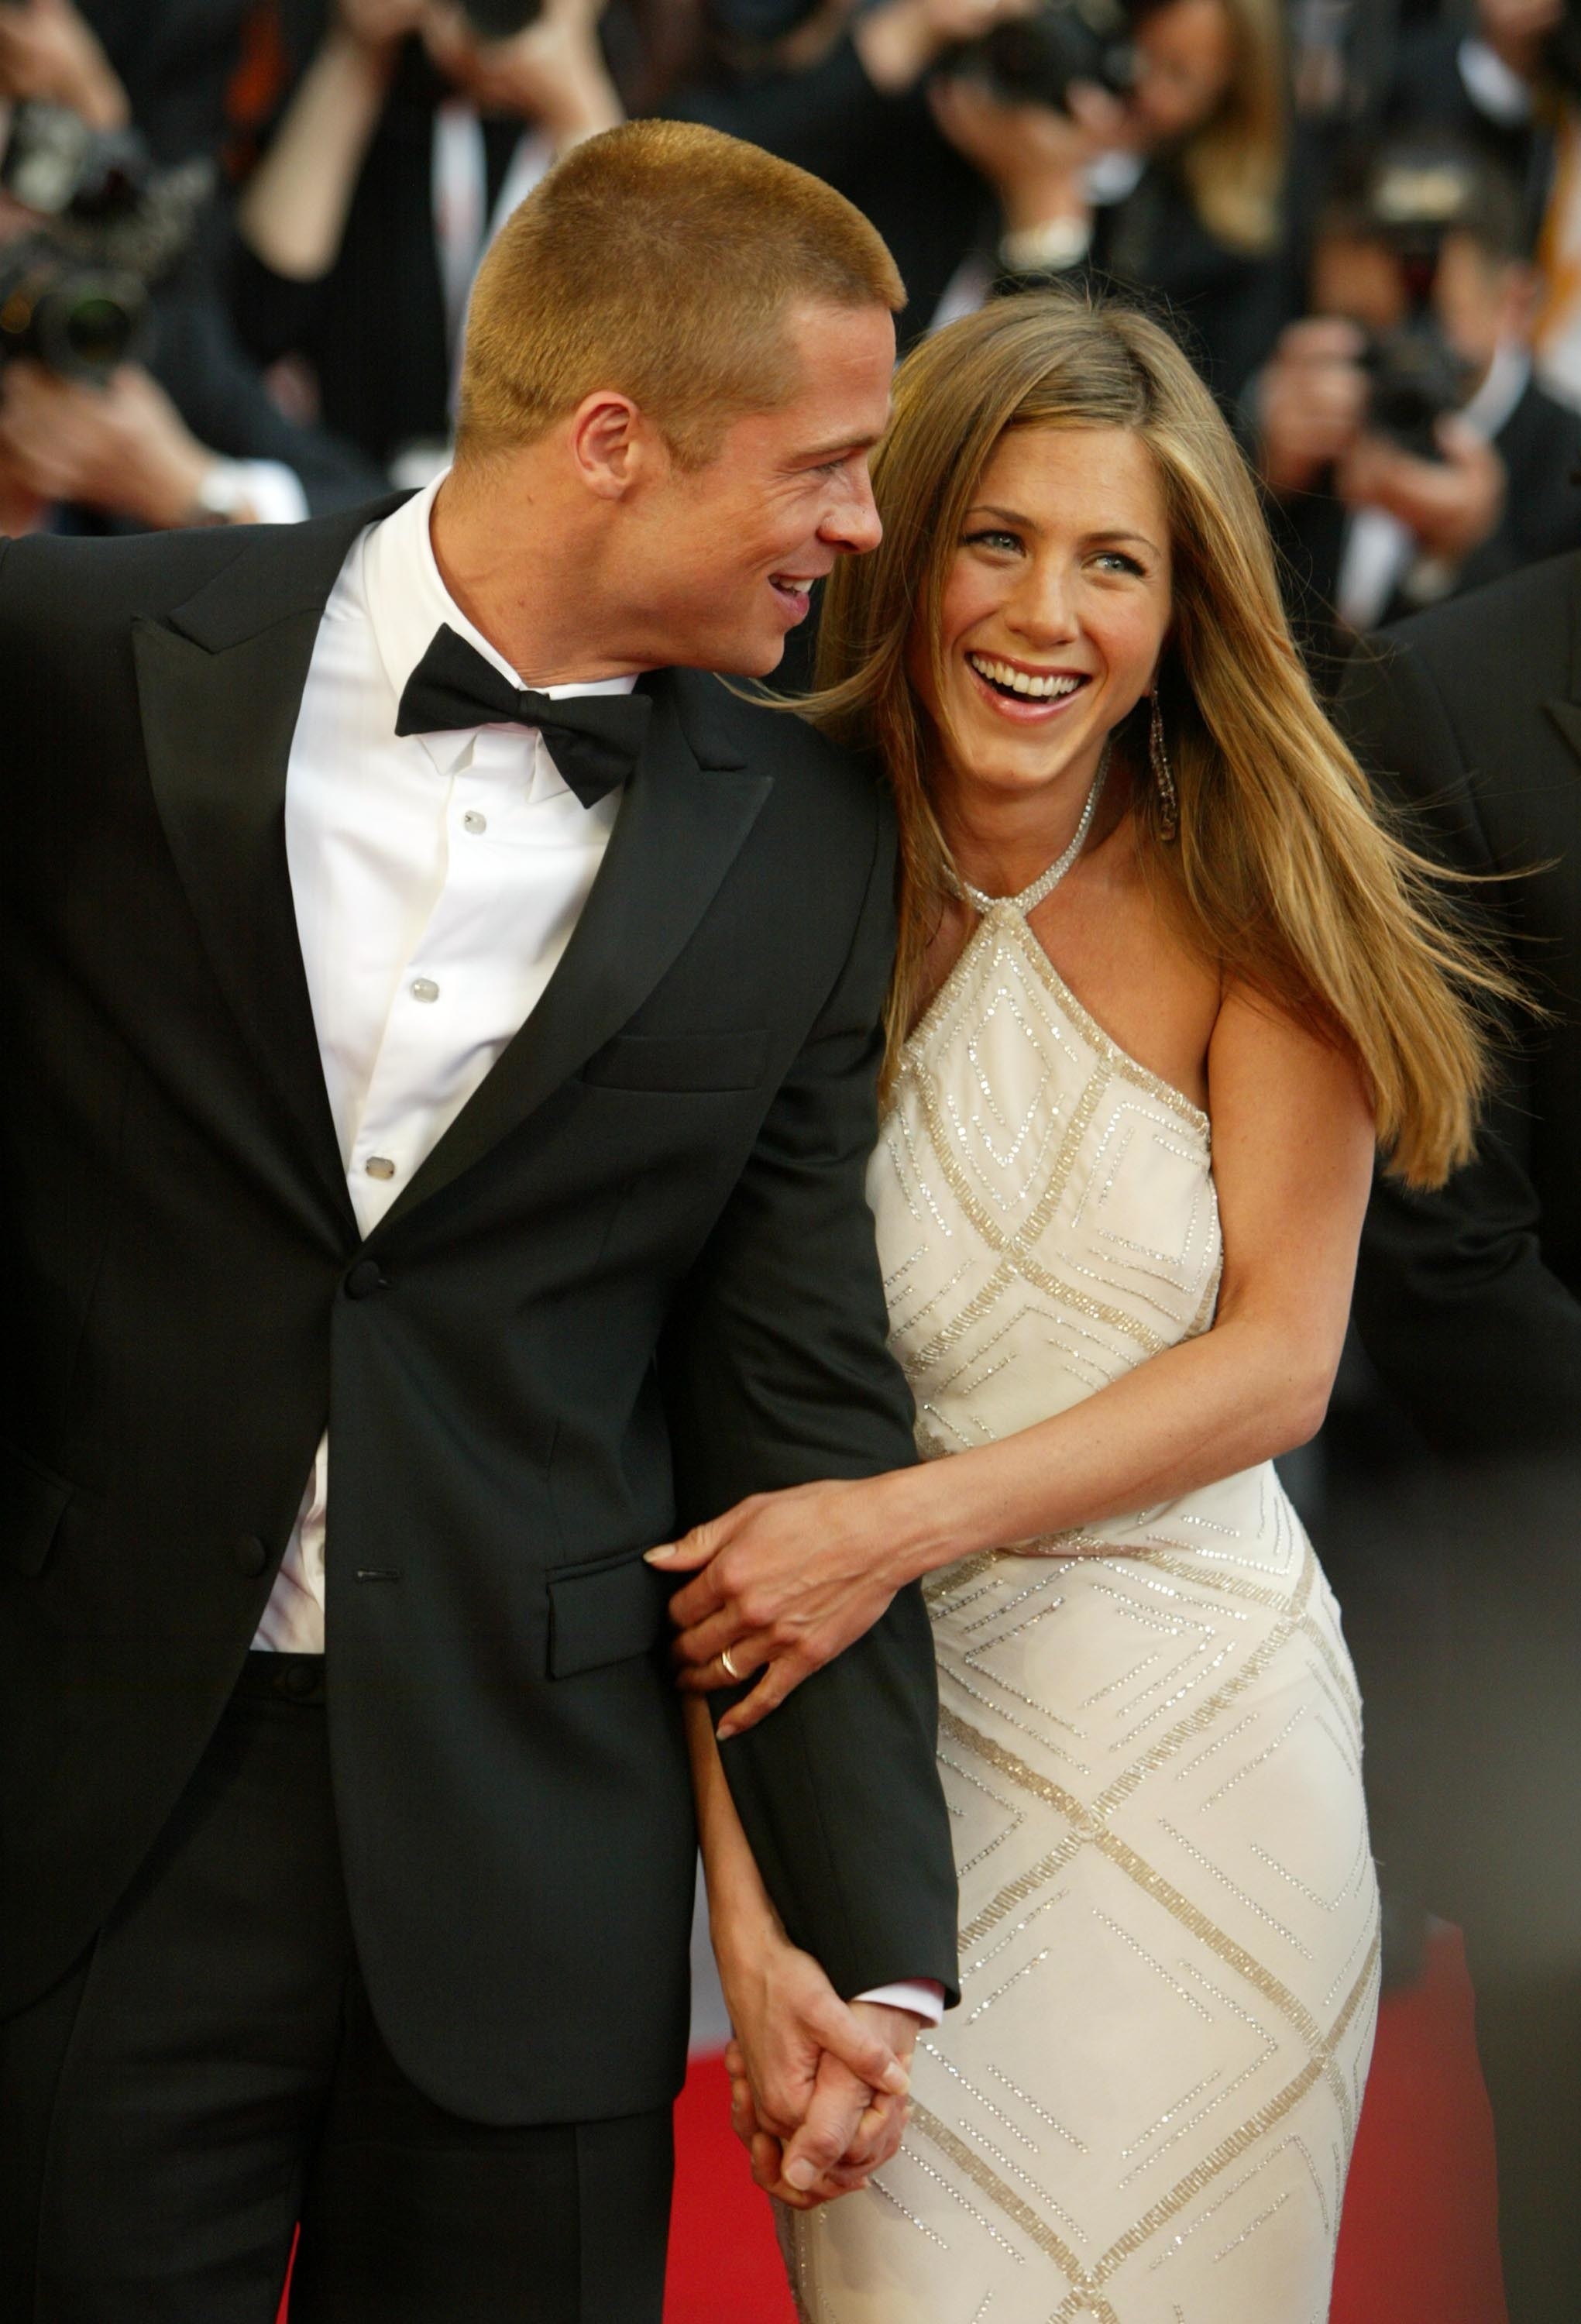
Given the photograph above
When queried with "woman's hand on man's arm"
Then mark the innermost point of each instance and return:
(784, 1581)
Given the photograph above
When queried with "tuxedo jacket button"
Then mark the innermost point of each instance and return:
(366, 1278)
(250, 1556)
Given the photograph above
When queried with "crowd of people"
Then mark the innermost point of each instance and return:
(238, 246)
(1314, 195)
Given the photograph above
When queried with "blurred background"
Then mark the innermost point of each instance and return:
(236, 243)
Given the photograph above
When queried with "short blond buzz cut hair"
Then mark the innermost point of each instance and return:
(659, 260)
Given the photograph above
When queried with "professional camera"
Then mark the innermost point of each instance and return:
(1416, 380)
(74, 289)
(1034, 60)
(1412, 199)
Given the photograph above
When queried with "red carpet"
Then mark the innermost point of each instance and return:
(1416, 2245)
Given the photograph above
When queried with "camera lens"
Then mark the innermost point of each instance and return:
(80, 322)
(98, 333)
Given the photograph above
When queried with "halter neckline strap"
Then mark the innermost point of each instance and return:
(1028, 900)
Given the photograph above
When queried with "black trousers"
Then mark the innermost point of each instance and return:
(211, 2073)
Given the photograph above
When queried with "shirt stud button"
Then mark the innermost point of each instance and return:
(474, 821)
(379, 1166)
(250, 1556)
(424, 988)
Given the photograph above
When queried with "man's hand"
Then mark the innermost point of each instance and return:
(48, 54)
(784, 1581)
(1034, 157)
(1312, 400)
(123, 448)
(1452, 505)
(899, 40)
(552, 73)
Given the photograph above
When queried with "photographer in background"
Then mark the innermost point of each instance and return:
(1408, 451)
(843, 91)
(1506, 76)
(409, 138)
(124, 402)
(1173, 180)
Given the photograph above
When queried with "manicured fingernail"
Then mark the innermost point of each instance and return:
(724, 1731)
(657, 1557)
(896, 2081)
(800, 2174)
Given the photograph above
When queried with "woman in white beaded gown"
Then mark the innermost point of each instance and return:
(1163, 987)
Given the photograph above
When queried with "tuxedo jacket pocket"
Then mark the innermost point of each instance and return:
(32, 1502)
(605, 1612)
(679, 1061)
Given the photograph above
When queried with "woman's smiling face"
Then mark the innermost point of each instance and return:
(1055, 608)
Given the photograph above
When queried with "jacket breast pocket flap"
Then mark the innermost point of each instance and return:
(605, 1613)
(679, 1061)
(32, 1502)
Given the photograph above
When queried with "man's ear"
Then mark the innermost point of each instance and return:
(614, 446)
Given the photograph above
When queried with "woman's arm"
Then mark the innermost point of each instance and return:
(790, 1579)
(827, 2093)
(293, 213)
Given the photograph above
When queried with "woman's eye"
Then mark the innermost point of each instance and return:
(1114, 560)
(994, 537)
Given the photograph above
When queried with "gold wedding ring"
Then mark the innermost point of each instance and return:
(729, 1667)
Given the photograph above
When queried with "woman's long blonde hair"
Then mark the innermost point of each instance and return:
(1281, 878)
(1236, 165)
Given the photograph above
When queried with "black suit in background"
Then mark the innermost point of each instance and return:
(1541, 447)
(373, 326)
(635, 1280)
(199, 361)
(1230, 306)
(1468, 1302)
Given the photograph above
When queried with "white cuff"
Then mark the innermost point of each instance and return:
(272, 489)
(923, 1995)
(1493, 87)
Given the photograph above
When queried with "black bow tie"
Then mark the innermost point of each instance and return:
(593, 738)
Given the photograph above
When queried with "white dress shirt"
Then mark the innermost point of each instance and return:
(436, 879)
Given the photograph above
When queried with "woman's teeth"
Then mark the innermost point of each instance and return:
(1021, 681)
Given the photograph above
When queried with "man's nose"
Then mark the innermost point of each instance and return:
(854, 524)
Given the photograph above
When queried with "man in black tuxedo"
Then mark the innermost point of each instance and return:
(434, 1121)
(1468, 1302)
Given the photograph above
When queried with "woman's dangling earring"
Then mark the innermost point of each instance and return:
(1169, 815)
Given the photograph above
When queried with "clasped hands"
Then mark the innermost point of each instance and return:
(818, 2086)
(782, 1583)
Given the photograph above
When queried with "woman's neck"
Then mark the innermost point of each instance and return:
(1001, 840)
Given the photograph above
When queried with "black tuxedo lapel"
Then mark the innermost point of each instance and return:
(687, 813)
(220, 687)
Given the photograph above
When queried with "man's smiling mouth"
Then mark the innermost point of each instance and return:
(795, 591)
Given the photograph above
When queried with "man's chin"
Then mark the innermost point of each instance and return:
(738, 658)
